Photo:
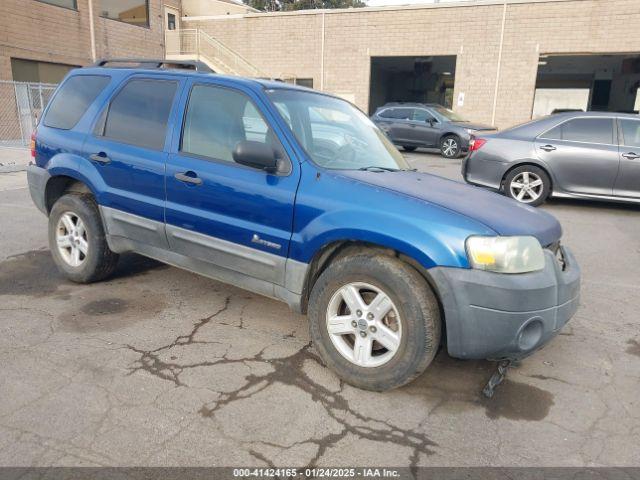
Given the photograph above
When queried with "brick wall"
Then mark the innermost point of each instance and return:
(291, 43)
(38, 31)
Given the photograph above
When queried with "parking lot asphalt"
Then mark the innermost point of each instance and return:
(158, 366)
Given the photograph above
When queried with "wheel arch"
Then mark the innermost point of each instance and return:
(58, 185)
(335, 250)
(448, 133)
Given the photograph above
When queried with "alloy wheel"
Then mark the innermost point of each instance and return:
(364, 324)
(71, 239)
(526, 187)
(450, 147)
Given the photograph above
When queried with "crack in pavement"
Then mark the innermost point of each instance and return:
(151, 362)
(289, 371)
(286, 371)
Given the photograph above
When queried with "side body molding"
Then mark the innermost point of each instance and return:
(261, 272)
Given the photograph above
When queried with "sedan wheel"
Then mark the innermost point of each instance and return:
(364, 325)
(527, 184)
(526, 187)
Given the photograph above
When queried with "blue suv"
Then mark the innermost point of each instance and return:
(298, 196)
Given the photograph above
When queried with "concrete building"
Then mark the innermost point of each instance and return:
(41, 39)
(494, 61)
(487, 59)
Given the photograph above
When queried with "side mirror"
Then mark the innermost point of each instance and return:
(256, 155)
(431, 121)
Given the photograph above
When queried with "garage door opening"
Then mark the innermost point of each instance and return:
(412, 79)
(606, 83)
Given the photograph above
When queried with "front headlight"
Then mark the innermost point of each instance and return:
(505, 254)
(470, 131)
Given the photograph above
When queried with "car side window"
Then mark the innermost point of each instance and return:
(631, 132)
(139, 113)
(388, 113)
(420, 115)
(404, 113)
(584, 130)
(554, 134)
(73, 100)
(398, 113)
(217, 119)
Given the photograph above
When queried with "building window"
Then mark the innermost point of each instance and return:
(72, 4)
(38, 72)
(305, 82)
(135, 12)
(171, 21)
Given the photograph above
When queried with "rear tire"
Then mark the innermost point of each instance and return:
(409, 148)
(77, 239)
(450, 146)
(369, 348)
(527, 184)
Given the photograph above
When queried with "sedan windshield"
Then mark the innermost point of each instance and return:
(449, 114)
(335, 134)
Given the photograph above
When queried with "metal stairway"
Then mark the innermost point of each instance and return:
(194, 44)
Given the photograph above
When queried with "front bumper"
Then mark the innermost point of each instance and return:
(497, 316)
(37, 178)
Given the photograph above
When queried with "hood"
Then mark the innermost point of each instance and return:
(503, 215)
(474, 126)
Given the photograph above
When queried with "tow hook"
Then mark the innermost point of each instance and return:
(498, 376)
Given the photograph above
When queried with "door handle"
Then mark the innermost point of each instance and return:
(631, 156)
(100, 158)
(548, 148)
(183, 177)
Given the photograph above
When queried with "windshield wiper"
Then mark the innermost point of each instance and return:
(375, 168)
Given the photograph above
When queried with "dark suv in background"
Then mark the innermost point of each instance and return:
(413, 125)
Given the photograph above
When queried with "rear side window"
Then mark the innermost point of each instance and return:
(631, 132)
(398, 113)
(139, 113)
(73, 100)
(584, 130)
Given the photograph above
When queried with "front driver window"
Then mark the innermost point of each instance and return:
(217, 119)
(420, 115)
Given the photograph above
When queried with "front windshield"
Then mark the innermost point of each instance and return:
(334, 133)
(449, 114)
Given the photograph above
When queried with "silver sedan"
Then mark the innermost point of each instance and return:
(592, 155)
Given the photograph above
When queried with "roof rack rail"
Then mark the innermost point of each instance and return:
(196, 65)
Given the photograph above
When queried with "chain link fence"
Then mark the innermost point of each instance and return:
(21, 105)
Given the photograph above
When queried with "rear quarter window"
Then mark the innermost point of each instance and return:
(73, 99)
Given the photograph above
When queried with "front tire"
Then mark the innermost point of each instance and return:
(77, 239)
(528, 184)
(450, 146)
(374, 321)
